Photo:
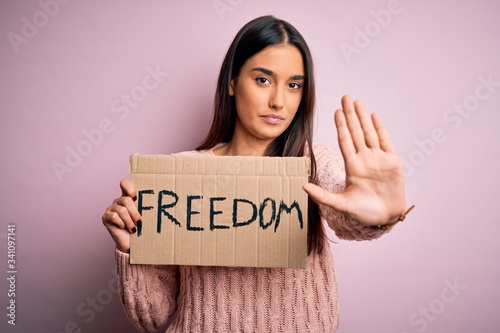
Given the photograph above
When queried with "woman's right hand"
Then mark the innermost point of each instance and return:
(121, 217)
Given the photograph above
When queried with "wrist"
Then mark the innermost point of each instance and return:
(123, 250)
(389, 225)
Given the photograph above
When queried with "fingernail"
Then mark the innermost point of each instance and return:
(138, 223)
(134, 229)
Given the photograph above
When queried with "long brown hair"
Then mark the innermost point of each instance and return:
(255, 36)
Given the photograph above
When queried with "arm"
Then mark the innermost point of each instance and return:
(148, 292)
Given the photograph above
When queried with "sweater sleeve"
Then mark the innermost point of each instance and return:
(148, 292)
(331, 177)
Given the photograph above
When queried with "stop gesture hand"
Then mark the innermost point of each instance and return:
(374, 192)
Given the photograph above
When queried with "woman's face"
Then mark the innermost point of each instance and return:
(267, 93)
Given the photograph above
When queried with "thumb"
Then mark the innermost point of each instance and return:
(319, 195)
(128, 188)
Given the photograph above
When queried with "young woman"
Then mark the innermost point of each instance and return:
(264, 106)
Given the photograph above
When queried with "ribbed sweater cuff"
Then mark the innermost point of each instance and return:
(124, 269)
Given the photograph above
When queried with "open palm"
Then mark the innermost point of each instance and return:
(374, 192)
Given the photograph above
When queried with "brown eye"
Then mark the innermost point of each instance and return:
(262, 80)
(294, 86)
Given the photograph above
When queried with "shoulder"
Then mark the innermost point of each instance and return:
(330, 169)
(325, 155)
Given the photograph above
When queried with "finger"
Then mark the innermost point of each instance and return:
(370, 135)
(353, 123)
(112, 220)
(128, 203)
(383, 135)
(128, 188)
(319, 195)
(344, 136)
(120, 216)
(120, 236)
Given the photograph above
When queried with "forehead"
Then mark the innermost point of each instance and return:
(283, 59)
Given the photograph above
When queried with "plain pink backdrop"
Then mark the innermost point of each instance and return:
(416, 67)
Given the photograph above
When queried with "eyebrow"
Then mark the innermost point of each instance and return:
(270, 72)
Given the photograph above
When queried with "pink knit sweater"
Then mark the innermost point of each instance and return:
(234, 299)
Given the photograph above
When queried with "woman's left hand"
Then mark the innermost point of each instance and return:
(374, 192)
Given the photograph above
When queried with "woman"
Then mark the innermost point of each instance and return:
(264, 106)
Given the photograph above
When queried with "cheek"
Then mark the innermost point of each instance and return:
(294, 102)
(248, 99)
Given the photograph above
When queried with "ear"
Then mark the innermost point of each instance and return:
(231, 87)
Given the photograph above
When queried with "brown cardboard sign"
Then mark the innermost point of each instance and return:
(220, 211)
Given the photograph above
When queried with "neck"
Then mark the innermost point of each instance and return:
(244, 144)
(239, 148)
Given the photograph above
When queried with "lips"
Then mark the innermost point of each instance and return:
(273, 119)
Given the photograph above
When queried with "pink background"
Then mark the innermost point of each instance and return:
(412, 68)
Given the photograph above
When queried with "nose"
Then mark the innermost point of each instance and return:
(277, 99)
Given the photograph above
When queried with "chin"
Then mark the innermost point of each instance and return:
(270, 137)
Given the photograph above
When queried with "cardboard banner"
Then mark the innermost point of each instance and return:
(220, 211)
